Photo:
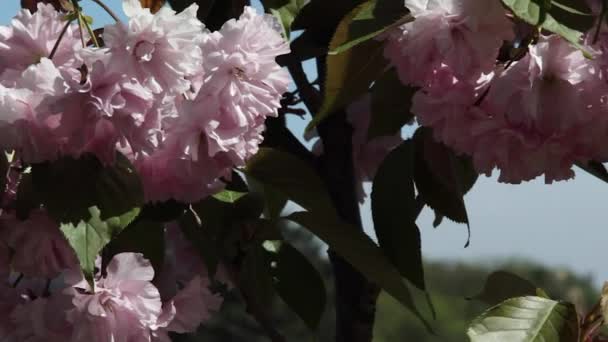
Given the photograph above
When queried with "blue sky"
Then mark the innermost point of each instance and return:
(564, 224)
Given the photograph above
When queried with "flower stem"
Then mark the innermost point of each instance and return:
(65, 29)
(107, 9)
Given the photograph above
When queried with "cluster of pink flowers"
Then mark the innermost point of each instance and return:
(44, 297)
(536, 115)
(184, 104)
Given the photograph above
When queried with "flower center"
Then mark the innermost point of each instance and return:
(144, 50)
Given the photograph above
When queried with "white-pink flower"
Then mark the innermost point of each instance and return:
(538, 117)
(159, 50)
(463, 36)
(123, 306)
(31, 37)
(40, 249)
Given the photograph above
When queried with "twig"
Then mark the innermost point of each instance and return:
(65, 29)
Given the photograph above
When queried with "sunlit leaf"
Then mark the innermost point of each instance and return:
(527, 319)
(286, 11)
(88, 238)
(349, 74)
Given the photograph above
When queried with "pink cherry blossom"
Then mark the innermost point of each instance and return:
(463, 36)
(159, 50)
(31, 37)
(123, 306)
(40, 249)
(106, 110)
(539, 116)
(43, 319)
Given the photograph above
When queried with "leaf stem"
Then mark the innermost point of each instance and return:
(108, 10)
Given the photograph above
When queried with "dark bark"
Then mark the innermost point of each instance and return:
(355, 295)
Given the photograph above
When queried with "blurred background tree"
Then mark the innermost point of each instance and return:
(450, 285)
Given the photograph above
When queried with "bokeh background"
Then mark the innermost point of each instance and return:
(552, 235)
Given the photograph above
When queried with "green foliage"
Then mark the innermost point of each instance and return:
(141, 236)
(286, 12)
(372, 19)
(536, 12)
(299, 284)
(291, 177)
(69, 187)
(395, 220)
(349, 74)
(361, 252)
(595, 169)
(391, 102)
(441, 177)
(228, 196)
(502, 285)
(527, 319)
(89, 237)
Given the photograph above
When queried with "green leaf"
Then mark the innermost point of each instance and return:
(391, 102)
(596, 169)
(228, 196)
(572, 6)
(286, 11)
(256, 285)
(502, 285)
(361, 252)
(90, 237)
(142, 236)
(203, 240)
(373, 18)
(349, 74)
(527, 319)
(442, 178)
(69, 187)
(394, 213)
(292, 177)
(299, 284)
(531, 12)
(275, 200)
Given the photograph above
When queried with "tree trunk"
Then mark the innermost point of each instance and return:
(355, 295)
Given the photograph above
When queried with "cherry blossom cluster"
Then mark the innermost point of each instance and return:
(44, 297)
(184, 104)
(537, 113)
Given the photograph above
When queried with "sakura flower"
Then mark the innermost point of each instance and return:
(40, 249)
(43, 319)
(244, 84)
(540, 116)
(184, 283)
(10, 298)
(31, 37)
(107, 109)
(160, 50)
(22, 128)
(367, 154)
(123, 306)
(463, 36)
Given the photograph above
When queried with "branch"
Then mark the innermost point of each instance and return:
(309, 94)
